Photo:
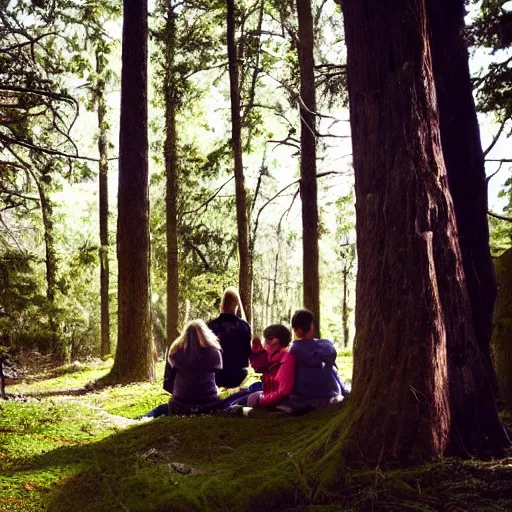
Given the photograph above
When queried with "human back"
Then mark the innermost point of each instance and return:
(196, 357)
(316, 381)
(234, 335)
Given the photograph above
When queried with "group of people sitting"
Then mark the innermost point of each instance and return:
(295, 379)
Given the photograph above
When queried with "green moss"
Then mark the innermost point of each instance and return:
(69, 455)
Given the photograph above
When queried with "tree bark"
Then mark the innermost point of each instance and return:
(171, 170)
(502, 329)
(134, 359)
(308, 185)
(464, 160)
(412, 301)
(103, 205)
(245, 260)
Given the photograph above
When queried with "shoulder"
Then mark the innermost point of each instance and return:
(298, 346)
(328, 344)
(287, 357)
(244, 325)
(213, 322)
(211, 353)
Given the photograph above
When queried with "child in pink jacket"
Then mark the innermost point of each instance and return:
(276, 365)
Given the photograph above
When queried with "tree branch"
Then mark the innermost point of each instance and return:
(40, 92)
(202, 257)
(496, 137)
(500, 217)
(47, 151)
(494, 173)
(209, 200)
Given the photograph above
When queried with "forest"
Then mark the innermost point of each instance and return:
(349, 157)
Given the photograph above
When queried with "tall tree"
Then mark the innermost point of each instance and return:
(171, 171)
(245, 260)
(103, 201)
(464, 160)
(133, 360)
(437, 398)
(308, 185)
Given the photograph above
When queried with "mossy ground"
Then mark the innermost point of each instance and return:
(69, 454)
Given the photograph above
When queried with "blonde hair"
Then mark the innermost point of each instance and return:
(230, 301)
(195, 335)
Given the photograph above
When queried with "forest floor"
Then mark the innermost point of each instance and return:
(87, 453)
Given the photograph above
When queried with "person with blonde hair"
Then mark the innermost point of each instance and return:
(195, 357)
(234, 335)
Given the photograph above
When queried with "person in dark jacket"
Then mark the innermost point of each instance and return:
(195, 357)
(317, 383)
(234, 335)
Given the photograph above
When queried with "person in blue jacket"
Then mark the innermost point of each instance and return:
(317, 383)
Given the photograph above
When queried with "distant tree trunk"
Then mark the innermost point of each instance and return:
(308, 186)
(43, 184)
(171, 170)
(268, 307)
(134, 358)
(344, 314)
(412, 302)
(464, 160)
(245, 261)
(103, 205)
(502, 329)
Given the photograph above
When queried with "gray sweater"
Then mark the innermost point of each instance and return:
(195, 377)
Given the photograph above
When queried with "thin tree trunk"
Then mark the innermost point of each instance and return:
(344, 315)
(103, 205)
(412, 301)
(473, 410)
(134, 358)
(268, 308)
(308, 185)
(464, 160)
(43, 184)
(171, 169)
(245, 260)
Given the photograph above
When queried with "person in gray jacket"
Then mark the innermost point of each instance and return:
(194, 357)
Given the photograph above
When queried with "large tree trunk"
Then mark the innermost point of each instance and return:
(502, 328)
(171, 169)
(308, 185)
(412, 301)
(245, 260)
(473, 409)
(103, 205)
(464, 160)
(134, 359)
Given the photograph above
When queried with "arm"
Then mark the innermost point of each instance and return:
(286, 379)
(259, 361)
(216, 360)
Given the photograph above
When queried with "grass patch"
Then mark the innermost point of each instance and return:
(29, 430)
(69, 454)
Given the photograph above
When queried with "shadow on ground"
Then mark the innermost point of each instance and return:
(217, 463)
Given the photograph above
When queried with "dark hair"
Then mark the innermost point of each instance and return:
(302, 319)
(280, 332)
